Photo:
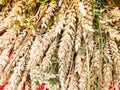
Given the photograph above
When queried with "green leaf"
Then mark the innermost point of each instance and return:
(43, 1)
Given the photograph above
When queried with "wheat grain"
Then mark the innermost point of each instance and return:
(108, 67)
(110, 23)
(65, 52)
(95, 70)
(83, 81)
(48, 14)
(23, 81)
(107, 76)
(16, 76)
(61, 18)
(19, 39)
(7, 70)
(9, 20)
(40, 74)
(34, 72)
(87, 18)
(20, 67)
(43, 66)
(116, 61)
(73, 84)
(79, 62)
(4, 58)
(7, 42)
(79, 28)
(46, 60)
(8, 38)
(43, 45)
(5, 10)
(47, 39)
(34, 52)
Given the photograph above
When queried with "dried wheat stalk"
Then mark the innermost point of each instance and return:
(61, 18)
(48, 14)
(34, 72)
(4, 58)
(73, 84)
(47, 39)
(72, 79)
(43, 46)
(79, 28)
(78, 39)
(23, 81)
(43, 67)
(65, 52)
(46, 62)
(107, 76)
(7, 41)
(5, 10)
(38, 49)
(95, 70)
(9, 20)
(20, 39)
(7, 70)
(110, 23)
(79, 63)
(87, 18)
(83, 80)
(40, 13)
(34, 52)
(116, 61)
(8, 38)
(17, 74)
(19, 68)
(42, 9)
(108, 67)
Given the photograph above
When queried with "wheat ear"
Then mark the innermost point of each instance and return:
(65, 52)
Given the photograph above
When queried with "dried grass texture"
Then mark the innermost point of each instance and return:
(107, 67)
(8, 38)
(59, 43)
(73, 83)
(95, 65)
(78, 40)
(5, 10)
(7, 42)
(87, 18)
(65, 52)
(41, 73)
(9, 20)
(48, 14)
(110, 23)
(16, 63)
(46, 62)
(116, 61)
(20, 39)
(79, 62)
(83, 80)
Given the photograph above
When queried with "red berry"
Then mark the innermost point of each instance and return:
(10, 54)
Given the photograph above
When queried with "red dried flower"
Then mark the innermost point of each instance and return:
(42, 87)
(2, 86)
(10, 54)
(23, 88)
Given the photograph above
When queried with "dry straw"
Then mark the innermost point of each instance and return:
(65, 52)
(55, 43)
(48, 14)
(9, 20)
(116, 61)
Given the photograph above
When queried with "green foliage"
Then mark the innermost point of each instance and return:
(43, 1)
